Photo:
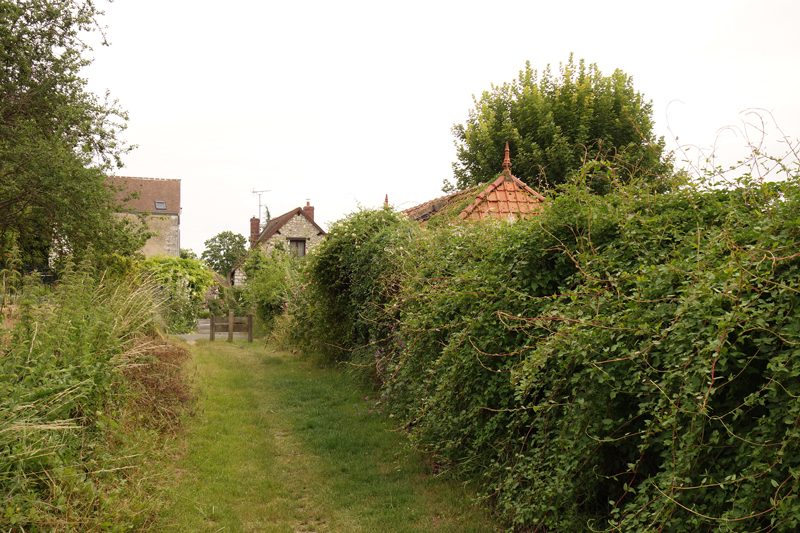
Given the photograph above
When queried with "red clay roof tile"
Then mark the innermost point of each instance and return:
(504, 198)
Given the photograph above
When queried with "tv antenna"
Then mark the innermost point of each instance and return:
(259, 193)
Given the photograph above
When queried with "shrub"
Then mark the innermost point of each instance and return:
(183, 283)
(339, 298)
(267, 281)
(621, 363)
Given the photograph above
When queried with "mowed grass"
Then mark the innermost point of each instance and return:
(282, 444)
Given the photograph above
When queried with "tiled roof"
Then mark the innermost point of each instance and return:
(424, 211)
(505, 198)
(151, 190)
(277, 223)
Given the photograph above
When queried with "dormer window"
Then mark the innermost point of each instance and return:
(161, 206)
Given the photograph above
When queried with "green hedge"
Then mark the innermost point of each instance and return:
(626, 362)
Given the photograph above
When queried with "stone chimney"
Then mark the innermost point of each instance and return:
(309, 210)
(255, 231)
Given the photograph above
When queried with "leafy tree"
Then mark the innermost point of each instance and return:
(556, 123)
(224, 251)
(187, 253)
(58, 141)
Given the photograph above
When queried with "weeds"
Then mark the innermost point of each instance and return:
(88, 392)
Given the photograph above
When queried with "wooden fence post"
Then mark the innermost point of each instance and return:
(250, 327)
(213, 326)
(230, 326)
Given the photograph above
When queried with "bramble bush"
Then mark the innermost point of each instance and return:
(338, 298)
(626, 362)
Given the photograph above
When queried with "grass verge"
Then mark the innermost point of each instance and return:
(281, 443)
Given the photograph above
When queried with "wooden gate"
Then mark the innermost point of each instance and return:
(231, 324)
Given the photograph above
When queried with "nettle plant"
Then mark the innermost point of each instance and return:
(66, 455)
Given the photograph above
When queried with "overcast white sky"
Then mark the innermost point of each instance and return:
(344, 102)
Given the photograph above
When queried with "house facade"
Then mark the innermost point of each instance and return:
(295, 232)
(160, 201)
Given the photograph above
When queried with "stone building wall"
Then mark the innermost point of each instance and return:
(167, 240)
(297, 227)
(239, 277)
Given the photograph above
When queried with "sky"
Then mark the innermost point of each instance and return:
(342, 103)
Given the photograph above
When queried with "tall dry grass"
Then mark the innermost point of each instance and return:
(90, 391)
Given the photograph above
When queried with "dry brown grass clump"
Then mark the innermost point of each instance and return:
(8, 317)
(162, 391)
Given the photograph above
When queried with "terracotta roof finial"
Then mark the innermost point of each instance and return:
(507, 163)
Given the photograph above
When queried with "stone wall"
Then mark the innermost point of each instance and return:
(297, 227)
(168, 238)
(239, 277)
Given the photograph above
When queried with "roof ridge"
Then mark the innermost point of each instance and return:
(149, 179)
(439, 198)
(270, 229)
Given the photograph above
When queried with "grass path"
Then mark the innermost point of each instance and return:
(281, 444)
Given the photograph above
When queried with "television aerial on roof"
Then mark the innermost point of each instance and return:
(259, 193)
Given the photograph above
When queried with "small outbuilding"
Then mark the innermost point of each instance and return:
(506, 198)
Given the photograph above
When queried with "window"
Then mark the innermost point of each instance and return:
(297, 247)
(161, 205)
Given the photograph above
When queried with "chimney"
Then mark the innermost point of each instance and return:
(309, 210)
(255, 230)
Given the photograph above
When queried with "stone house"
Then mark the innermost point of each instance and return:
(294, 231)
(506, 198)
(160, 201)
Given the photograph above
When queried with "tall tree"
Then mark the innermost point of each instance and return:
(224, 251)
(58, 141)
(554, 124)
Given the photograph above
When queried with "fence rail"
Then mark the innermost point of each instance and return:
(231, 324)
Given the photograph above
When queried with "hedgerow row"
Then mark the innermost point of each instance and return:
(626, 362)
